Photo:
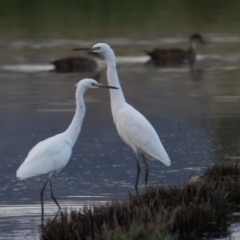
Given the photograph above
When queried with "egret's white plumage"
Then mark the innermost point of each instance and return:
(47, 157)
(138, 133)
(51, 155)
(132, 126)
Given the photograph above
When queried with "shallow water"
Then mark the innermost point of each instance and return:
(197, 122)
(196, 118)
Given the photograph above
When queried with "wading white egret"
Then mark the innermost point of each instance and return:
(134, 129)
(51, 155)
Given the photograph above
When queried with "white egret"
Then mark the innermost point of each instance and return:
(51, 155)
(134, 129)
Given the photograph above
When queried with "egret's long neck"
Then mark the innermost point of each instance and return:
(76, 124)
(117, 96)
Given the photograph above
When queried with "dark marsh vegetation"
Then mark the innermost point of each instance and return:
(190, 211)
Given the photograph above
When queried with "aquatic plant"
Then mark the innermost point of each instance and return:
(227, 176)
(189, 211)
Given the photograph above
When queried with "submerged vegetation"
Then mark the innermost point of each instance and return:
(195, 209)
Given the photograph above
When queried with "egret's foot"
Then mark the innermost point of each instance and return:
(52, 195)
(57, 213)
(137, 192)
(137, 177)
(146, 176)
(146, 170)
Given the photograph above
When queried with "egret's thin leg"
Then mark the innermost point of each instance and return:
(41, 196)
(52, 195)
(138, 172)
(146, 170)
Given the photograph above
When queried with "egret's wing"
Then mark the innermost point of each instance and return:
(47, 156)
(49, 146)
(131, 128)
(137, 132)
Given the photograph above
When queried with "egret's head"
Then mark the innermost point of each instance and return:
(102, 49)
(89, 83)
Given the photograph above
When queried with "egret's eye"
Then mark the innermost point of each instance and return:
(96, 48)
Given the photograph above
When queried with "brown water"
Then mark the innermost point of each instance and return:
(196, 118)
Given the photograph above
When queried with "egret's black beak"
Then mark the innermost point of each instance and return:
(107, 86)
(83, 49)
(103, 86)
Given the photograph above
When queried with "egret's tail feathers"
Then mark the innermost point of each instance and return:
(164, 158)
(24, 171)
(20, 174)
(159, 155)
(167, 161)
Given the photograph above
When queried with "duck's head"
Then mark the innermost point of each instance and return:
(196, 38)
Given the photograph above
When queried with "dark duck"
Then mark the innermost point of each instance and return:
(74, 64)
(175, 56)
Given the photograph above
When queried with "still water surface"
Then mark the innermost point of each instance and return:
(197, 119)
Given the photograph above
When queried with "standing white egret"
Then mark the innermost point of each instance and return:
(134, 129)
(51, 155)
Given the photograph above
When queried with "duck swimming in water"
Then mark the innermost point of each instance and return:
(74, 64)
(175, 56)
